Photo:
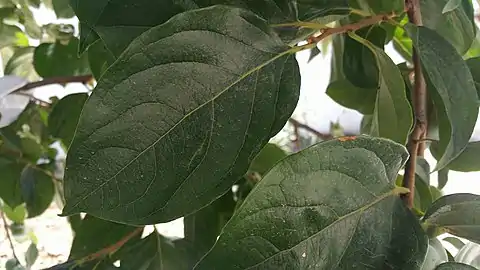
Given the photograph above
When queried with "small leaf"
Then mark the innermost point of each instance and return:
(457, 26)
(17, 215)
(474, 66)
(270, 155)
(457, 243)
(63, 119)
(56, 59)
(467, 161)
(151, 143)
(38, 191)
(31, 255)
(100, 58)
(95, 234)
(392, 116)
(442, 178)
(21, 64)
(62, 9)
(348, 95)
(451, 5)
(10, 191)
(455, 266)
(446, 72)
(456, 214)
(330, 201)
(12, 36)
(423, 196)
(313, 53)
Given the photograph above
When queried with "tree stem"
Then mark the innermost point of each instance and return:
(9, 238)
(416, 144)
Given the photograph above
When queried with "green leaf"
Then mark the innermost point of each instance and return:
(330, 202)
(436, 255)
(153, 252)
(451, 5)
(270, 155)
(21, 64)
(62, 9)
(457, 26)
(467, 161)
(16, 215)
(95, 234)
(359, 62)
(392, 117)
(469, 254)
(149, 141)
(446, 72)
(313, 53)
(10, 191)
(455, 266)
(456, 214)
(423, 196)
(56, 59)
(382, 6)
(457, 243)
(442, 178)
(100, 58)
(37, 190)
(348, 95)
(63, 119)
(31, 255)
(12, 36)
(474, 66)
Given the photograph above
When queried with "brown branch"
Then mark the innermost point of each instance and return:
(56, 80)
(416, 144)
(298, 125)
(9, 238)
(110, 249)
(351, 27)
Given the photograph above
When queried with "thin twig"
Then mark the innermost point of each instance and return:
(320, 135)
(7, 232)
(416, 144)
(56, 80)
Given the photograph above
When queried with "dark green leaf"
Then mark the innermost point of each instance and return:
(336, 65)
(312, 9)
(267, 158)
(366, 124)
(359, 62)
(442, 178)
(37, 190)
(12, 36)
(467, 161)
(63, 119)
(313, 53)
(330, 202)
(455, 266)
(151, 143)
(457, 214)
(392, 116)
(95, 234)
(436, 193)
(99, 58)
(457, 26)
(474, 66)
(451, 5)
(10, 191)
(62, 9)
(457, 243)
(152, 253)
(348, 95)
(56, 59)
(31, 255)
(446, 73)
(423, 196)
(382, 6)
(21, 64)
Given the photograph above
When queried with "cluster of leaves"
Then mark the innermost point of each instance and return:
(188, 95)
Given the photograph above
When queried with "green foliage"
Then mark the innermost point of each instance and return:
(187, 97)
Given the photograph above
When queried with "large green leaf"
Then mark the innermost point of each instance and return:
(63, 119)
(154, 252)
(56, 59)
(450, 84)
(392, 116)
(455, 266)
(348, 95)
(331, 206)
(10, 191)
(38, 190)
(457, 214)
(268, 156)
(467, 161)
(159, 148)
(457, 26)
(95, 234)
